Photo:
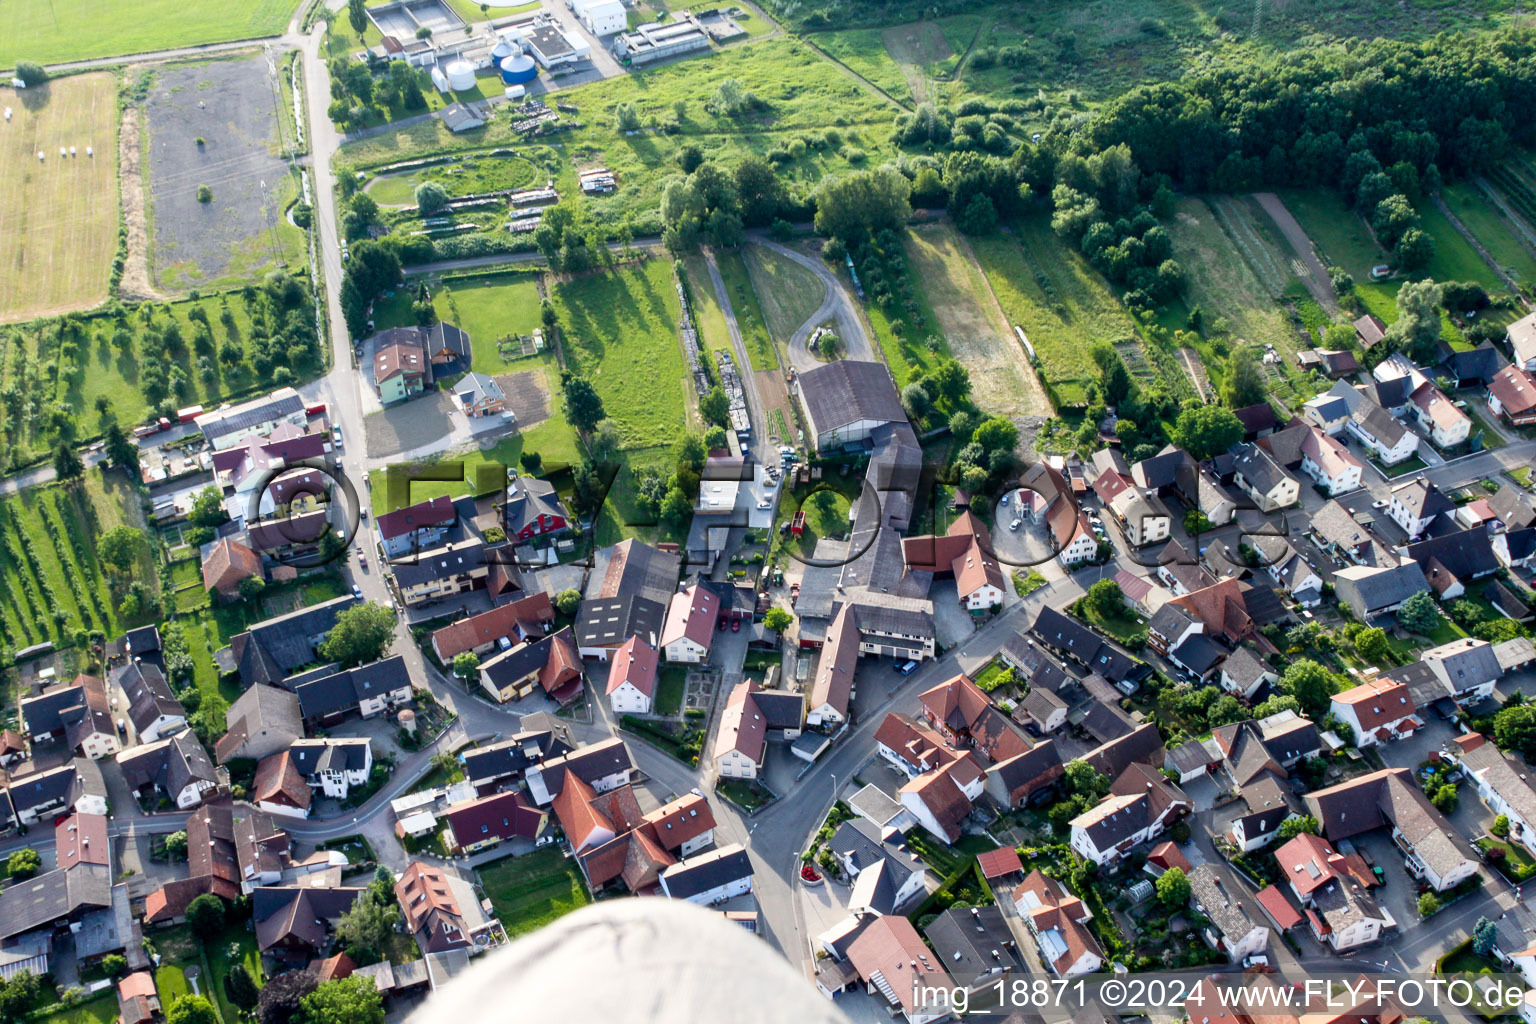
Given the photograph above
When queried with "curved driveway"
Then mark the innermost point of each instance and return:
(835, 306)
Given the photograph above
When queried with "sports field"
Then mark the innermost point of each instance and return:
(48, 31)
(58, 215)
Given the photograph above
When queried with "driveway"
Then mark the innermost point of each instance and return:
(836, 306)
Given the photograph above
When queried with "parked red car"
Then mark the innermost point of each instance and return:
(735, 625)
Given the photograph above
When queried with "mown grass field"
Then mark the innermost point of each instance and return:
(749, 312)
(1343, 240)
(529, 892)
(1472, 207)
(1221, 281)
(708, 317)
(863, 51)
(1455, 259)
(491, 307)
(58, 215)
(789, 293)
(619, 327)
(49, 32)
(1062, 304)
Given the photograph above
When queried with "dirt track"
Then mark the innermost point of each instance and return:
(1316, 277)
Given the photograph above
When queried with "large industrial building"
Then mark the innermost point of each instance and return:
(601, 17)
(845, 401)
(651, 43)
(548, 44)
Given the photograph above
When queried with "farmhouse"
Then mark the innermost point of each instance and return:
(845, 400)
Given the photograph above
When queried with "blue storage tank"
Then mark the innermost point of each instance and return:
(518, 69)
(501, 51)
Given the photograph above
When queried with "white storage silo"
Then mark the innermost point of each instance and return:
(461, 75)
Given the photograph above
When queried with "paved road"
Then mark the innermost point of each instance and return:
(837, 306)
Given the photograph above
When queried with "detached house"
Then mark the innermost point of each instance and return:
(480, 824)
(1141, 804)
(1391, 799)
(1374, 591)
(1236, 926)
(152, 708)
(1512, 395)
(1384, 434)
(632, 677)
(400, 367)
(1334, 891)
(690, 626)
(478, 396)
(1329, 463)
(442, 910)
(1264, 479)
(177, 769)
(1058, 921)
(455, 568)
(1378, 711)
(533, 509)
(1446, 425)
(1417, 503)
(1501, 783)
(326, 696)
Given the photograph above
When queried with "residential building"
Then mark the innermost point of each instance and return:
(1374, 591)
(886, 878)
(1377, 711)
(294, 923)
(683, 826)
(77, 785)
(690, 625)
(1244, 672)
(152, 708)
(1521, 336)
(1276, 743)
(1387, 437)
(1144, 519)
(533, 509)
(710, 877)
(1334, 891)
(940, 800)
(1264, 478)
(1417, 503)
(1329, 463)
(1267, 804)
(632, 678)
(1436, 414)
(1058, 921)
(1466, 668)
(965, 717)
(272, 649)
(507, 625)
(400, 367)
(226, 427)
(454, 568)
(1025, 778)
(1501, 783)
(975, 945)
(442, 910)
(1512, 395)
(79, 713)
(326, 696)
(262, 720)
(892, 960)
(750, 712)
(1452, 561)
(227, 565)
(1330, 411)
(1140, 805)
(1474, 367)
(550, 664)
(1235, 925)
(478, 396)
(965, 552)
(1391, 799)
(177, 769)
(602, 766)
(483, 823)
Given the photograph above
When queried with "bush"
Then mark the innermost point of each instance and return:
(204, 194)
(31, 72)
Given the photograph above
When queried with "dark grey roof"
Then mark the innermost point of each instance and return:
(633, 567)
(847, 391)
(611, 621)
(1512, 507)
(1230, 909)
(149, 695)
(874, 612)
(1474, 366)
(1245, 667)
(1468, 554)
(858, 840)
(294, 915)
(1161, 470)
(52, 897)
(440, 564)
(170, 765)
(528, 499)
(1199, 653)
(250, 414)
(1257, 418)
(313, 756)
(1368, 593)
(1142, 746)
(1260, 468)
(142, 641)
(1389, 394)
(1521, 543)
(56, 786)
(1065, 634)
(1422, 499)
(589, 763)
(780, 708)
(510, 756)
(442, 336)
(707, 871)
(1379, 423)
(342, 691)
(508, 667)
(48, 711)
(973, 942)
(270, 650)
(1106, 722)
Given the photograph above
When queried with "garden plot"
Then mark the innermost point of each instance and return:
(241, 230)
(58, 215)
(527, 397)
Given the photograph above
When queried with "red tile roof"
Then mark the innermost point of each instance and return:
(742, 727)
(635, 663)
(278, 781)
(82, 839)
(1278, 907)
(999, 862)
(527, 616)
(228, 563)
(680, 820)
(498, 816)
(692, 614)
(1515, 389)
(437, 511)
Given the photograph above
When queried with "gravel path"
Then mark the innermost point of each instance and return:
(1316, 278)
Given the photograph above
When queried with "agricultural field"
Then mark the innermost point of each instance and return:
(749, 312)
(53, 583)
(619, 327)
(1062, 304)
(50, 32)
(973, 325)
(795, 120)
(1498, 234)
(58, 215)
(217, 126)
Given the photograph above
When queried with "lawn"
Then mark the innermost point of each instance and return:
(101, 1009)
(1343, 240)
(748, 794)
(749, 313)
(1455, 259)
(492, 307)
(466, 471)
(1222, 281)
(1471, 206)
(530, 892)
(58, 215)
(708, 317)
(619, 327)
(1516, 864)
(823, 518)
(1060, 302)
(863, 51)
(789, 293)
(475, 172)
(220, 964)
(50, 32)
(669, 689)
